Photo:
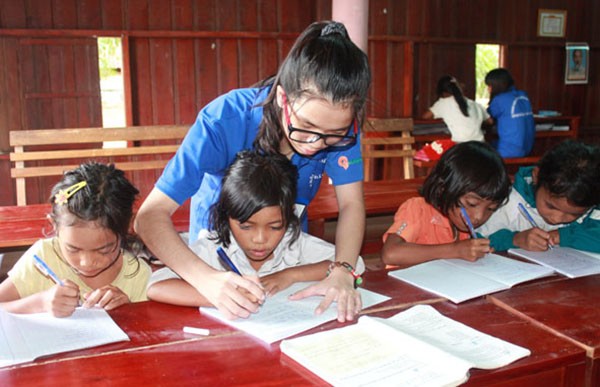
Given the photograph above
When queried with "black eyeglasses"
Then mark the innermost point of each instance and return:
(309, 137)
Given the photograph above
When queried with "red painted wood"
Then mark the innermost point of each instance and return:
(23, 225)
(160, 354)
(568, 308)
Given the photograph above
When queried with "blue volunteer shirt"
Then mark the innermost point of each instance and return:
(226, 126)
(514, 120)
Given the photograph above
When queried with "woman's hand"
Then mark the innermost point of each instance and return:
(339, 287)
(107, 297)
(61, 301)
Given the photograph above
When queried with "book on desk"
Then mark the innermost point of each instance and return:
(459, 280)
(417, 347)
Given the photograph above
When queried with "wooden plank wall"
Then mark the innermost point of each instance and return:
(180, 54)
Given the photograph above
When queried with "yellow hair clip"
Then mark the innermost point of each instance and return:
(62, 197)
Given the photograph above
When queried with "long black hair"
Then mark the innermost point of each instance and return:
(499, 80)
(471, 166)
(252, 182)
(449, 85)
(322, 63)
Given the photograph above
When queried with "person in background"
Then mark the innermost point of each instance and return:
(462, 115)
(511, 110)
(562, 196)
(309, 112)
(469, 177)
(92, 207)
(254, 224)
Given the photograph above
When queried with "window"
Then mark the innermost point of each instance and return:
(487, 57)
(110, 64)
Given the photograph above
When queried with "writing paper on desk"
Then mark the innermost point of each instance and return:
(417, 347)
(564, 260)
(279, 317)
(459, 280)
(25, 337)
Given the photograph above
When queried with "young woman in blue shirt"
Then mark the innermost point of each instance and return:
(309, 111)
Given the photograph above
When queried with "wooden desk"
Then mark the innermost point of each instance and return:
(160, 354)
(570, 309)
(23, 225)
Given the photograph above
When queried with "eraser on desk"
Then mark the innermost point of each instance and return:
(196, 331)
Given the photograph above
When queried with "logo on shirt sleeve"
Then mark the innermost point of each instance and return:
(343, 162)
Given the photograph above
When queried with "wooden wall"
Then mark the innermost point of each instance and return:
(180, 54)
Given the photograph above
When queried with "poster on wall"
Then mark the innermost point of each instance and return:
(577, 63)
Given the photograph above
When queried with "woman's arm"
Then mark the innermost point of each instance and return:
(153, 224)
(339, 285)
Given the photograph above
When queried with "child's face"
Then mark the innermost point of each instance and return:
(90, 249)
(556, 209)
(316, 115)
(259, 235)
(478, 209)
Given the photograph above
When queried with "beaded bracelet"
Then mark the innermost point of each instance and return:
(357, 277)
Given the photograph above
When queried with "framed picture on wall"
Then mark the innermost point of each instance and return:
(552, 23)
(577, 63)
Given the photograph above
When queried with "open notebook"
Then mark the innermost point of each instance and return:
(418, 347)
(25, 337)
(459, 280)
(564, 260)
(279, 317)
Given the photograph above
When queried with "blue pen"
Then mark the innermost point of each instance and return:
(468, 222)
(45, 269)
(226, 261)
(527, 216)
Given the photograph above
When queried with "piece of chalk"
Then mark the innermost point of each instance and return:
(196, 331)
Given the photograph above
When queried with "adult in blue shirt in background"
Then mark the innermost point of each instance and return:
(511, 110)
(310, 112)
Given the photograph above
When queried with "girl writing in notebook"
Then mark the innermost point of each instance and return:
(556, 202)
(466, 186)
(254, 224)
(86, 260)
(310, 112)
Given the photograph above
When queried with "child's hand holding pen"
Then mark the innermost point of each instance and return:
(534, 239)
(62, 299)
(474, 248)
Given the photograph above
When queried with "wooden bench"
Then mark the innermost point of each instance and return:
(50, 152)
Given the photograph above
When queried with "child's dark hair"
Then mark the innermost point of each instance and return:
(449, 85)
(471, 166)
(255, 181)
(323, 63)
(499, 80)
(107, 199)
(572, 170)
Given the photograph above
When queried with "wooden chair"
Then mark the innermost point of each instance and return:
(384, 138)
(50, 152)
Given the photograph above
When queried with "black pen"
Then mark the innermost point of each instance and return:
(226, 261)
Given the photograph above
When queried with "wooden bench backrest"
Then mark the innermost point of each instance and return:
(389, 138)
(80, 144)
